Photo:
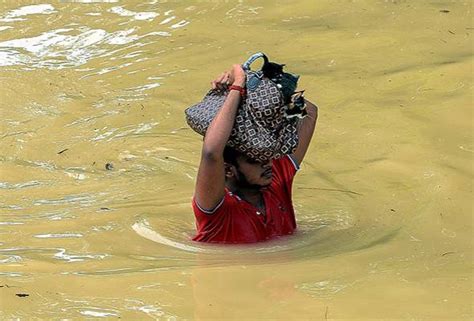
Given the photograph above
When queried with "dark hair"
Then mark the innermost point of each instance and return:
(230, 155)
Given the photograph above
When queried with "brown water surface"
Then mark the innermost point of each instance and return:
(383, 199)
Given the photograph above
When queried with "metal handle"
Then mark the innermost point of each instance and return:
(246, 65)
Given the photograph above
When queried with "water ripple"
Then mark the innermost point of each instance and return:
(99, 312)
(82, 199)
(136, 15)
(72, 45)
(322, 289)
(5, 185)
(11, 259)
(62, 255)
(109, 134)
(56, 49)
(55, 236)
(16, 14)
(11, 274)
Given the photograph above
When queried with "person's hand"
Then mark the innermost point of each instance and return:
(236, 76)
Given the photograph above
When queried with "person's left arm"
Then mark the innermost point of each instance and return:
(306, 128)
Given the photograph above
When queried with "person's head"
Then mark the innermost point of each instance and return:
(245, 172)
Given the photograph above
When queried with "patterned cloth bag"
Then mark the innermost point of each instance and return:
(266, 121)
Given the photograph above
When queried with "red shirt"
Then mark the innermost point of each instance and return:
(236, 221)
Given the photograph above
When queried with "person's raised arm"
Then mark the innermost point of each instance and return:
(210, 181)
(306, 128)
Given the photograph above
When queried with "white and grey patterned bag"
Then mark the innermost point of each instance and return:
(265, 123)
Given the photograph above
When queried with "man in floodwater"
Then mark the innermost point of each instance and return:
(238, 199)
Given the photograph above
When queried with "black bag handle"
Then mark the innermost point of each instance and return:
(252, 58)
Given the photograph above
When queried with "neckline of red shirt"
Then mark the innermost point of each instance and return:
(251, 206)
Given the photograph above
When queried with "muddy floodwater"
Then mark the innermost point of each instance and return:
(97, 164)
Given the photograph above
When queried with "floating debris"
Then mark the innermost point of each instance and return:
(22, 295)
(447, 253)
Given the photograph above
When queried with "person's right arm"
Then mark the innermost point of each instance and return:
(210, 181)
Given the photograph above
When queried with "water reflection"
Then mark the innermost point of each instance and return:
(267, 284)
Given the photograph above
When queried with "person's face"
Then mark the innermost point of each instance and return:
(251, 173)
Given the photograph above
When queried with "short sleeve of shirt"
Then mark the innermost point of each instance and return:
(210, 222)
(284, 170)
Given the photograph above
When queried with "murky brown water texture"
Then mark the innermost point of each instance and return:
(383, 198)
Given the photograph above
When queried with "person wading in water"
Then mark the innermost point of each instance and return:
(238, 199)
